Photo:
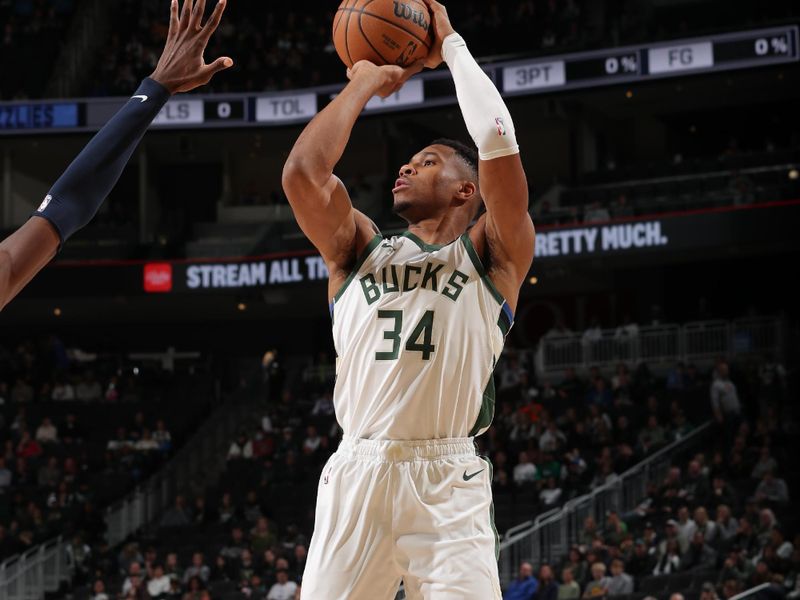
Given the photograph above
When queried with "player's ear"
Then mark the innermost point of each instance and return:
(467, 190)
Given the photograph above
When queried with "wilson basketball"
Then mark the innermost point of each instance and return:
(385, 32)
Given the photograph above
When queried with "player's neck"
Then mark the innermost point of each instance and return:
(437, 232)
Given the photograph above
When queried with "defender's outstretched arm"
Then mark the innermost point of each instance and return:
(77, 195)
(318, 198)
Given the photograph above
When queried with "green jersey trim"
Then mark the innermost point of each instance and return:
(476, 262)
(422, 245)
(486, 412)
(491, 511)
(374, 243)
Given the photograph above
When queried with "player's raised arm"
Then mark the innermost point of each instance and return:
(77, 195)
(503, 185)
(318, 198)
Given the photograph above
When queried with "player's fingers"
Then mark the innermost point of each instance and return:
(434, 5)
(222, 63)
(173, 18)
(413, 69)
(186, 13)
(197, 15)
(215, 18)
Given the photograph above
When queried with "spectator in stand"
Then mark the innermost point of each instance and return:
(241, 448)
(772, 489)
(198, 568)
(569, 588)
(721, 491)
(323, 407)
(696, 487)
(552, 439)
(177, 516)
(133, 582)
(641, 562)
(708, 592)
(162, 436)
(261, 537)
(49, 474)
(159, 584)
(283, 589)
(727, 525)
(99, 591)
(524, 587)
(705, 525)
(670, 560)
(172, 567)
(312, 442)
(551, 493)
(686, 527)
(620, 582)
(596, 213)
(765, 463)
(28, 447)
(236, 545)
(548, 587)
(525, 472)
(699, 555)
(88, 390)
(62, 390)
(598, 585)
(593, 334)
(628, 331)
(6, 476)
(247, 567)
(559, 330)
(71, 431)
(47, 433)
(652, 436)
(22, 392)
(146, 443)
(725, 400)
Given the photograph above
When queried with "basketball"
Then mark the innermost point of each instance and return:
(385, 32)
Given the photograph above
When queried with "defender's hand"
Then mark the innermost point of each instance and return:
(181, 67)
(386, 80)
(441, 29)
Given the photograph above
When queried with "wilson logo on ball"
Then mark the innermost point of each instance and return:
(404, 11)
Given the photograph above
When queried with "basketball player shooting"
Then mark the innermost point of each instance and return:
(419, 321)
(78, 194)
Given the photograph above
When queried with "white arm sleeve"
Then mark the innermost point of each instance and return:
(486, 115)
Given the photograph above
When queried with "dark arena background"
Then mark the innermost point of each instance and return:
(166, 382)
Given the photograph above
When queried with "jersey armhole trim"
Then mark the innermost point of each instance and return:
(476, 262)
(374, 242)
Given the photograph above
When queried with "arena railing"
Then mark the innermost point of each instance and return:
(195, 461)
(551, 535)
(40, 570)
(664, 345)
(755, 592)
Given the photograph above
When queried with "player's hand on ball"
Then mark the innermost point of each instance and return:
(387, 79)
(181, 67)
(441, 29)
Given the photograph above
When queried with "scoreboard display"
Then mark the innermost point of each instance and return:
(629, 64)
(652, 61)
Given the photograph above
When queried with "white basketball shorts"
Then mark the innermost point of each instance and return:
(416, 511)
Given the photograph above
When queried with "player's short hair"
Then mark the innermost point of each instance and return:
(467, 154)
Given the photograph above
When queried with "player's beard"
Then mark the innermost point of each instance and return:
(401, 206)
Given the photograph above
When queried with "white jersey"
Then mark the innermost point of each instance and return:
(418, 330)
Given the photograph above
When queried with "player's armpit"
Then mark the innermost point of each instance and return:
(23, 254)
(510, 233)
